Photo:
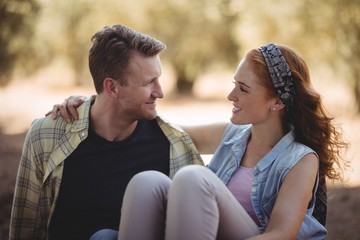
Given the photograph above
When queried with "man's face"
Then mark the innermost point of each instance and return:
(138, 98)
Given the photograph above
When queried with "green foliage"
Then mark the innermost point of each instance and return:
(326, 33)
(337, 32)
(17, 20)
(348, 44)
(199, 34)
(66, 27)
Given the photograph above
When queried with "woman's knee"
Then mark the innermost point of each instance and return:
(192, 172)
(150, 180)
(149, 177)
(192, 176)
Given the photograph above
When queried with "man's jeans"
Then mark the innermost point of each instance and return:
(105, 234)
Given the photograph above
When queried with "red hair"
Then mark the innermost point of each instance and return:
(313, 125)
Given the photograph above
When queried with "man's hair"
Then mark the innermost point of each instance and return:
(111, 49)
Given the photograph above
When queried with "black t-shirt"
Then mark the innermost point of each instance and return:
(95, 177)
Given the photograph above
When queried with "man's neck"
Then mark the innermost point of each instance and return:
(106, 123)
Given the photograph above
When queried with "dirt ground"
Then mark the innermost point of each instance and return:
(22, 103)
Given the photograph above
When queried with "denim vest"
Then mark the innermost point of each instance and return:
(269, 174)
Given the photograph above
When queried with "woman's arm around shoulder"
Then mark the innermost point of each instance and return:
(68, 108)
(293, 199)
(206, 137)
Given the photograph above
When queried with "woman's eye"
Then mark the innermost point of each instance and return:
(240, 86)
(243, 89)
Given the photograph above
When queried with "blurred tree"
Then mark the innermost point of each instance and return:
(65, 31)
(337, 30)
(17, 22)
(67, 27)
(326, 33)
(74, 41)
(198, 34)
(347, 20)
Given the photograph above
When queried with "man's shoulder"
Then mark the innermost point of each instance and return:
(168, 126)
(46, 127)
(59, 124)
(48, 123)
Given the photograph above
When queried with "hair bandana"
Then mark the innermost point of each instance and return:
(280, 73)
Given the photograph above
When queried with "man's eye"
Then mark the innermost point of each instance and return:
(149, 82)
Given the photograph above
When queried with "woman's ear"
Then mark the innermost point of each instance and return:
(111, 87)
(278, 105)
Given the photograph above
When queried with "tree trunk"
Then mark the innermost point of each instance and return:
(184, 86)
(357, 90)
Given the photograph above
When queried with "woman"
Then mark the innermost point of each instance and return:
(267, 166)
(263, 178)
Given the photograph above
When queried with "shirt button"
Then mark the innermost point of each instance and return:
(253, 189)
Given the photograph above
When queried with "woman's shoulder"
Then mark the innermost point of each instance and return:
(236, 131)
(293, 145)
(293, 154)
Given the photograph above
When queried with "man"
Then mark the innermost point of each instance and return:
(72, 175)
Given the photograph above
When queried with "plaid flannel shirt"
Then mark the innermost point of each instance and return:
(47, 144)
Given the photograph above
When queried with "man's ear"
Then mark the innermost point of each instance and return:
(111, 87)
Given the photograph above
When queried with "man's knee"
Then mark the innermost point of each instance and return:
(105, 234)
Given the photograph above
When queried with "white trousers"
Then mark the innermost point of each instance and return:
(195, 205)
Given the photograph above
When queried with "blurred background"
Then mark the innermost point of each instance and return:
(43, 59)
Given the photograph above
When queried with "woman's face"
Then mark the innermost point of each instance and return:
(251, 101)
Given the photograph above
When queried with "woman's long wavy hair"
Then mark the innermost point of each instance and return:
(313, 125)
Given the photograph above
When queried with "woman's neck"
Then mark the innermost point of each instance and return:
(260, 142)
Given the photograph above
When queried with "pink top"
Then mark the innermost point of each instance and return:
(240, 186)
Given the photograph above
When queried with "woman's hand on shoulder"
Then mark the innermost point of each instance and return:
(68, 108)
